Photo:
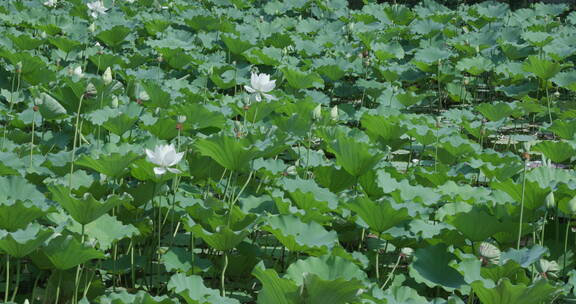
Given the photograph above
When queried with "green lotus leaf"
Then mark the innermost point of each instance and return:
(199, 116)
(404, 294)
(556, 151)
(141, 297)
(338, 291)
(566, 80)
(302, 80)
(524, 256)
(21, 242)
(476, 224)
(193, 290)
(299, 236)
(534, 196)
(230, 153)
(34, 69)
(50, 108)
(86, 209)
(235, 44)
(327, 267)
(438, 273)
(354, 156)
(105, 231)
(65, 252)
(274, 288)
(18, 188)
(114, 165)
(223, 238)
(399, 14)
(18, 214)
(380, 216)
(475, 65)
(267, 56)
(307, 195)
(25, 42)
(334, 179)
(65, 44)
(495, 111)
(386, 51)
(544, 69)
(507, 293)
(120, 120)
(564, 128)
(224, 77)
(115, 36)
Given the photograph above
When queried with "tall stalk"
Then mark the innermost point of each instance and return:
(526, 157)
(74, 141)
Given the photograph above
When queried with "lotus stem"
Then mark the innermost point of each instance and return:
(17, 280)
(18, 72)
(391, 274)
(223, 275)
(522, 205)
(7, 287)
(32, 137)
(74, 141)
(566, 244)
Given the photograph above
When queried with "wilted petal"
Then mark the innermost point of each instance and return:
(159, 170)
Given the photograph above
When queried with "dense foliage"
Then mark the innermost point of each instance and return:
(296, 151)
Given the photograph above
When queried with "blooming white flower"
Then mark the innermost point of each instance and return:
(50, 3)
(96, 8)
(164, 156)
(260, 84)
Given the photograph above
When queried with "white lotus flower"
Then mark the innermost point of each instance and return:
(50, 3)
(334, 113)
(96, 8)
(260, 84)
(164, 156)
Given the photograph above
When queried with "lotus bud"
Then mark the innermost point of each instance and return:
(181, 118)
(92, 27)
(291, 170)
(143, 95)
(465, 29)
(466, 81)
(550, 201)
(114, 102)
(351, 26)
(477, 49)
(107, 76)
(557, 94)
(572, 206)
(78, 71)
(43, 35)
(334, 113)
(19, 67)
(406, 252)
(317, 112)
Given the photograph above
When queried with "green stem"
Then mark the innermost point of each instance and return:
(17, 280)
(223, 275)
(391, 274)
(7, 287)
(75, 139)
(32, 137)
(522, 206)
(566, 244)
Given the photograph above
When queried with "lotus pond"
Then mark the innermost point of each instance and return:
(295, 151)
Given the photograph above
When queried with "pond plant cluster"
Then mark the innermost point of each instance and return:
(295, 151)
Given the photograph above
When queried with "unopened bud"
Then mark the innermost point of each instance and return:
(317, 112)
(334, 113)
(550, 201)
(181, 118)
(107, 76)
